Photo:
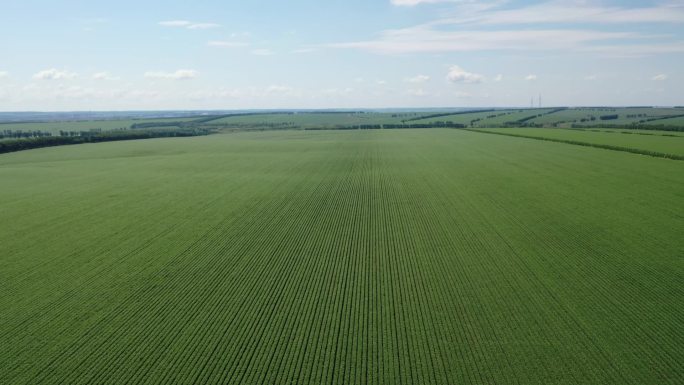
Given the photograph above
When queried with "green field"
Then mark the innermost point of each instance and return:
(632, 131)
(341, 257)
(104, 125)
(566, 117)
(679, 121)
(657, 143)
(626, 116)
(489, 118)
(311, 119)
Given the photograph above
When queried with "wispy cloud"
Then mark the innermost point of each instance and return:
(4, 74)
(459, 75)
(54, 74)
(531, 77)
(104, 76)
(303, 50)
(498, 78)
(176, 75)
(251, 93)
(423, 39)
(227, 44)
(555, 12)
(563, 26)
(413, 3)
(203, 26)
(418, 79)
(417, 92)
(659, 77)
(262, 52)
(336, 92)
(187, 24)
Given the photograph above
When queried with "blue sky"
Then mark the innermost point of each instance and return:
(104, 55)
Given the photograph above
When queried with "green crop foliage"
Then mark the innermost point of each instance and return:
(341, 257)
(672, 144)
(104, 125)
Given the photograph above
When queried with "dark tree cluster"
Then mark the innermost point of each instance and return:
(10, 134)
(94, 137)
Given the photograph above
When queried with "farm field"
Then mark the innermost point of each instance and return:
(312, 119)
(104, 125)
(626, 116)
(487, 118)
(657, 143)
(632, 131)
(565, 117)
(338, 257)
(679, 121)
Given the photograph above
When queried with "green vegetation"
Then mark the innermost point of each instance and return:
(654, 143)
(89, 125)
(487, 118)
(305, 120)
(97, 137)
(341, 257)
(631, 117)
(678, 121)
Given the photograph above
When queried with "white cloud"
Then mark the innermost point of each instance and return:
(175, 23)
(555, 12)
(636, 50)
(203, 26)
(459, 75)
(418, 79)
(104, 76)
(262, 52)
(240, 34)
(531, 77)
(418, 92)
(303, 50)
(591, 77)
(4, 74)
(577, 28)
(187, 24)
(177, 75)
(279, 90)
(424, 39)
(54, 74)
(413, 3)
(498, 78)
(659, 77)
(338, 91)
(227, 44)
(252, 93)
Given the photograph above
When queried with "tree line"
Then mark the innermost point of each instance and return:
(95, 137)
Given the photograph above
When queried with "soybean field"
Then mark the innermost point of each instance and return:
(437, 256)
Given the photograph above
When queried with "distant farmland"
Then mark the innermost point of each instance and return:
(635, 118)
(438, 256)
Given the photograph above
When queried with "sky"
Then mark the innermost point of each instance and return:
(272, 54)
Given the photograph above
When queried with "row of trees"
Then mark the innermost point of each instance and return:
(95, 137)
(9, 134)
(391, 126)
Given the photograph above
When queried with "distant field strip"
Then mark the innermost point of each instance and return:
(671, 147)
(340, 257)
(104, 125)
